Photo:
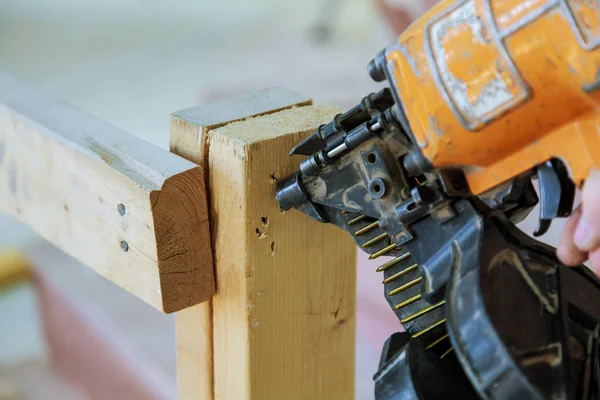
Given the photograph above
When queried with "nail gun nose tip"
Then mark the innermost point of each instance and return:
(308, 146)
(289, 192)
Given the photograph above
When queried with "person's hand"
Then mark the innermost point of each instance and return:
(580, 239)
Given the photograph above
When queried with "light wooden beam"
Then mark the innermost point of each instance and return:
(189, 138)
(283, 320)
(134, 213)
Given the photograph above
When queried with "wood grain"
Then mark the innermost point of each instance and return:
(134, 213)
(283, 318)
(284, 312)
(194, 343)
(189, 138)
(190, 127)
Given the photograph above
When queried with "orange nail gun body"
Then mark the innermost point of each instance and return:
(435, 170)
(502, 86)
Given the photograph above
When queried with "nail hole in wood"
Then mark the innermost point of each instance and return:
(124, 246)
(260, 234)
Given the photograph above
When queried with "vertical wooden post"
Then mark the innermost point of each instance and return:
(282, 324)
(283, 319)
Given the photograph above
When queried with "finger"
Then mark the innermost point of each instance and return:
(566, 251)
(587, 233)
(595, 261)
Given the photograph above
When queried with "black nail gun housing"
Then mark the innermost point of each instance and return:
(520, 325)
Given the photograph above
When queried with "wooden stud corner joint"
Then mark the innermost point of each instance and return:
(282, 324)
(134, 213)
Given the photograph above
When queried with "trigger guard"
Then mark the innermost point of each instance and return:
(557, 194)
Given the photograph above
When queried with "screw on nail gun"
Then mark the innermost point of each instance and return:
(436, 169)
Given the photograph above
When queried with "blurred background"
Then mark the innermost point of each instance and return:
(132, 63)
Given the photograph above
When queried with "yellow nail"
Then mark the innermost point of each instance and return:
(405, 286)
(367, 228)
(429, 328)
(437, 341)
(422, 312)
(356, 220)
(400, 274)
(446, 353)
(393, 262)
(383, 251)
(407, 302)
(374, 240)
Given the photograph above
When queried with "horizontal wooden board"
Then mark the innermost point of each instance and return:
(134, 213)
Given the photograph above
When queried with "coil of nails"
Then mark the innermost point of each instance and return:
(367, 226)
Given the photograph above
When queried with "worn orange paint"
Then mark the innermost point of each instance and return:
(499, 86)
(508, 12)
(587, 14)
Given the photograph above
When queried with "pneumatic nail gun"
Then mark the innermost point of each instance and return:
(432, 173)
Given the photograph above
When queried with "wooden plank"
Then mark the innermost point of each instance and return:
(283, 318)
(194, 344)
(134, 213)
(189, 139)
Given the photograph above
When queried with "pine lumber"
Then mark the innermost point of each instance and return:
(134, 213)
(282, 323)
